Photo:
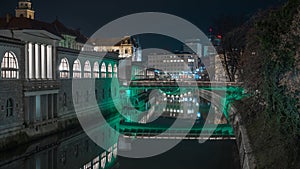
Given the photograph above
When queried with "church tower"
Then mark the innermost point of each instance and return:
(24, 9)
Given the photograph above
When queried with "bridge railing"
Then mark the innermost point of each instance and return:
(144, 130)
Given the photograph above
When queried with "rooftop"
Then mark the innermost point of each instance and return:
(56, 27)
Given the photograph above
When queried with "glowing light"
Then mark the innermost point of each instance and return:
(198, 114)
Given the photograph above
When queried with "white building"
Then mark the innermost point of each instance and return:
(179, 66)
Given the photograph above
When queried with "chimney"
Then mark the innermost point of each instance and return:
(8, 18)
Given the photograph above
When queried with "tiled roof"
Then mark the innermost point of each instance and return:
(25, 23)
(56, 27)
(62, 29)
(115, 41)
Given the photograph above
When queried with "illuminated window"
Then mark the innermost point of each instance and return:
(88, 166)
(9, 107)
(77, 69)
(103, 159)
(109, 155)
(96, 70)
(109, 69)
(87, 69)
(64, 68)
(9, 66)
(115, 152)
(96, 163)
(115, 71)
(103, 70)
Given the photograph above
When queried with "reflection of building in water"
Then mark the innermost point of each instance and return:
(67, 152)
(188, 106)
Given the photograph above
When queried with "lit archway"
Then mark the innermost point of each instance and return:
(87, 69)
(64, 70)
(109, 70)
(103, 70)
(96, 70)
(77, 69)
(9, 66)
(115, 71)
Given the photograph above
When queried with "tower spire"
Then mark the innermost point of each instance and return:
(25, 9)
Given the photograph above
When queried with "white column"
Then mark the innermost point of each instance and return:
(31, 60)
(37, 61)
(26, 61)
(46, 62)
(43, 62)
(49, 61)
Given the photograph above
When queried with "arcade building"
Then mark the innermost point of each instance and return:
(39, 60)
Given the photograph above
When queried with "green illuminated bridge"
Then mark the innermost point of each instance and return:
(220, 94)
(192, 83)
(136, 130)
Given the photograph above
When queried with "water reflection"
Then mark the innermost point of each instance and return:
(75, 150)
(187, 106)
(189, 154)
(69, 150)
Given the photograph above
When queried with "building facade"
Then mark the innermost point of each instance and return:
(126, 47)
(24, 9)
(179, 65)
(39, 62)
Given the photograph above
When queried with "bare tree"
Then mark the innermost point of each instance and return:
(231, 49)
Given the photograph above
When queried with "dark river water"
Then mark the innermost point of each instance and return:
(189, 154)
(74, 150)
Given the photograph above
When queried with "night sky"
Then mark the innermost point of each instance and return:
(90, 15)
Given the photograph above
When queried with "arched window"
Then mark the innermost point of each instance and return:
(77, 69)
(109, 69)
(109, 155)
(9, 107)
(103, 70)
(64, 68)
(103, 159)
(96, 70)
(9, 66)
(87, 69)
(115, 151)
(115, 71)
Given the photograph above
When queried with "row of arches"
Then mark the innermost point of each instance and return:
(10, 68)
(106, 70)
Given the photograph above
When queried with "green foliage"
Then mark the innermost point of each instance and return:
(275, 59)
